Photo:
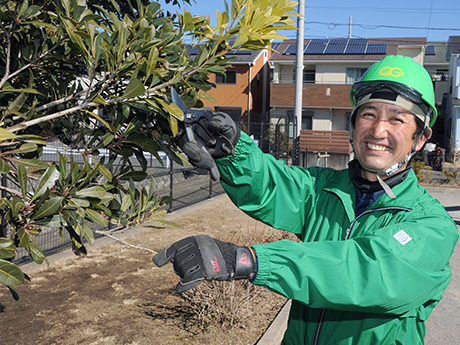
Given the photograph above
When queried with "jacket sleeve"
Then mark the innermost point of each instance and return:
(372, 273)
(267, 189)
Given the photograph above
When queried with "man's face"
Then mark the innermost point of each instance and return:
(383, 135)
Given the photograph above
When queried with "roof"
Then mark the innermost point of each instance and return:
(236, 56)
(366, 49)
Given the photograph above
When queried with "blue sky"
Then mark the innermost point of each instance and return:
(434, 19)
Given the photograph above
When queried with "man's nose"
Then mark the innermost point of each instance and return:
(380, 129)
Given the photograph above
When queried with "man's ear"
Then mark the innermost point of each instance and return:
(424, 138)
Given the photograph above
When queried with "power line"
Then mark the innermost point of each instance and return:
(389, 10)
(384, 26)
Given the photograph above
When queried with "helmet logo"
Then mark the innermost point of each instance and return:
(393, 71)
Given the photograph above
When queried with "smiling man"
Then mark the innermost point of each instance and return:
(373, 257)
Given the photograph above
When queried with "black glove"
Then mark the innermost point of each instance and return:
(201, 257)
(217, 133)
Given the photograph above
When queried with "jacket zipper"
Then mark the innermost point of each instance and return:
(347, 236)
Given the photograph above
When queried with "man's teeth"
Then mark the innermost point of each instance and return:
(376, 147)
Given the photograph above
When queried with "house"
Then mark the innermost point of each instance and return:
(452, 123)
(331, 66)
(243, 91)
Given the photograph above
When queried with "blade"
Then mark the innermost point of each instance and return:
(178, 101)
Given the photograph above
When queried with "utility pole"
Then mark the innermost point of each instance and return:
(299, 68)
(349, 27)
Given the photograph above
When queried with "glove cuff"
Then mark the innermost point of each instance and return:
(245, 264)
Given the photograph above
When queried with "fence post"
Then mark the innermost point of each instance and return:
(171, 185)
(3, 230)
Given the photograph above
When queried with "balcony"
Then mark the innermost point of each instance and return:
(313, 95)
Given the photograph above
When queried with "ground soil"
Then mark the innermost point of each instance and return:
(115, 295)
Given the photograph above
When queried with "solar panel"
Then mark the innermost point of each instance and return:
(356, 46)
(430, 50)
(316, 46)
(336, 46)
(240, 52)
(292, 49)
(193, 51)
(275, 46)
(376, 48)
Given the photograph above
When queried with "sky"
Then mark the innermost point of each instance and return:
(434, 19)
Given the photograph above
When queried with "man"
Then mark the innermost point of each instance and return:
(373, 260)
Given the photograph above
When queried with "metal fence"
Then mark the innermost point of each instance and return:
(182, 184)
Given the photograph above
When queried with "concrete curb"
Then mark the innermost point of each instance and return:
(275, 332)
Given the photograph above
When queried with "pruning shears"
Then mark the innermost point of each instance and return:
(195, 123)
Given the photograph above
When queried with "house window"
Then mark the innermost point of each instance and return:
(355, 74)
(307, 118)
(308, 76)
(348, 122)
(228, 78)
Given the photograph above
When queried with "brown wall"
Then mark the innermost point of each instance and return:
(282, 95)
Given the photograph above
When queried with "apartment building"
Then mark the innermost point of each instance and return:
(331, 66)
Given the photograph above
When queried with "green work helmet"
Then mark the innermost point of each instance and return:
(402, 76)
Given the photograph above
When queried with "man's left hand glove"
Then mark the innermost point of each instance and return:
(201, 257)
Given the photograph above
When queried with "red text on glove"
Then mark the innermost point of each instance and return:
(244, 260)
(215, 265)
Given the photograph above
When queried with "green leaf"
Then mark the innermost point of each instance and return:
(4, 167)
(5, 135)
(32, 138)
(79, 202)
(108, 125)
(91, 192)
(126, 203)
(50, 207)
(21, 90)
(10, 274)
(96, 217)
(46, 182)
(22, 238)
(88, 233)
(134, 175)
(152, 61)
(27, 147)
(54, 222)
(35, 252)
(106, 173)
(7, 248)
(35, 163)
(135, 88)
(22, 179)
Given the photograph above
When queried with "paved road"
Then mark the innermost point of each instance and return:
(443, 326)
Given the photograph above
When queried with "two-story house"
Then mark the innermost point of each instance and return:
(242, 92)
(331, 66)
(452, 125)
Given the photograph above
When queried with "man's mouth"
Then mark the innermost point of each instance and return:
(376, 147)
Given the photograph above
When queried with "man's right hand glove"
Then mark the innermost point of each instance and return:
(217, 133)
(201, 257)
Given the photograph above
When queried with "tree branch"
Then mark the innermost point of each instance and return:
(105, 233)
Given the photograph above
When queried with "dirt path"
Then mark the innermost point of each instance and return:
(116, 295)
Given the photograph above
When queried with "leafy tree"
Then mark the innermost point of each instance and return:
(96, 75)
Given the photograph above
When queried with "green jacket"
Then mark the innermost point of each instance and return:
(373, 279)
